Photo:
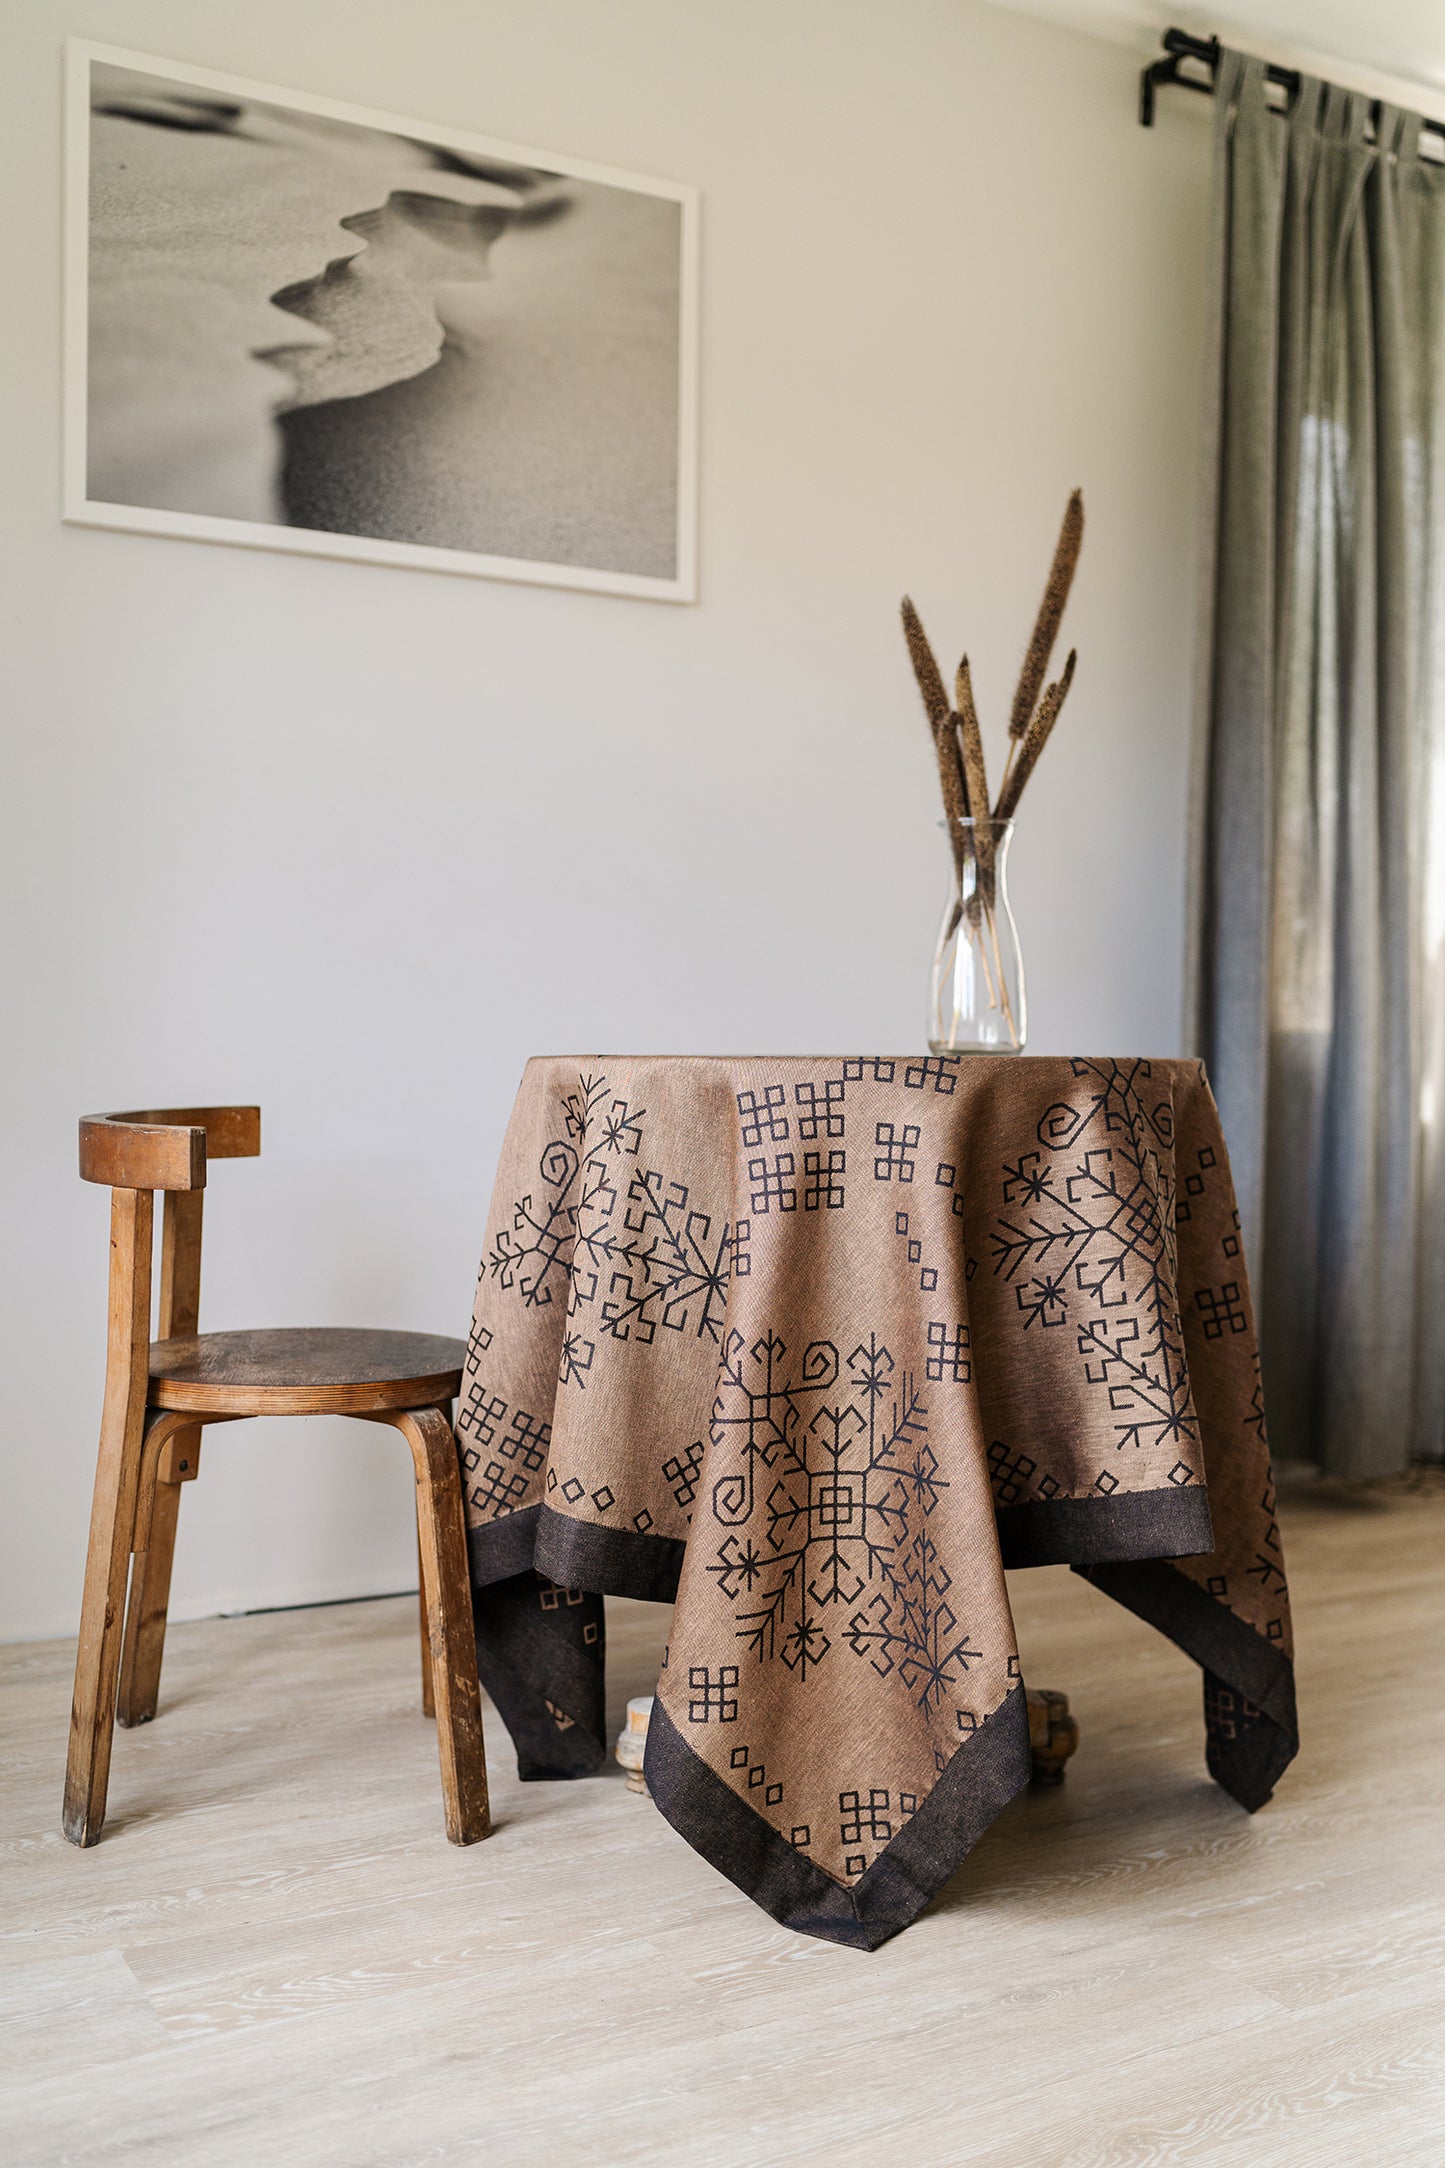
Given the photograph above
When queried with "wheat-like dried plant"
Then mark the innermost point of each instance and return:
(925, 669)
(1036, 737)
(1051, 612)
(975, 777)
(959, 750)
(944, 725)
(1046, 628)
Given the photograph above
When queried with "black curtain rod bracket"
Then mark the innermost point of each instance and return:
(1191, 64)
(1179, 47)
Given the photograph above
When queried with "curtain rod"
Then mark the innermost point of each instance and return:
(1183, 51)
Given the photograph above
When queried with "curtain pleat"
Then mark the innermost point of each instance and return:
(1317, 904)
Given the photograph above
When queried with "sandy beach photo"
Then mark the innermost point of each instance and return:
(304, 331)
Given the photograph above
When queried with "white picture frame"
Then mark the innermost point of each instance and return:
(659, 430)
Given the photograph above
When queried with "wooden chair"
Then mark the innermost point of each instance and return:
(158, 1398)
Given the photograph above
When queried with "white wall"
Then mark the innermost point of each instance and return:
(354, 842)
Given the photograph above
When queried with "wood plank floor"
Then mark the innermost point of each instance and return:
(274, 1957)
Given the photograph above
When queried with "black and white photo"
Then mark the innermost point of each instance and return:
(299, 325)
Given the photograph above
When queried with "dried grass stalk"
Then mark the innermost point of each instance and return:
(925, 669)
(1051, 611)
(975, 777)
(1036, 738)
(952, 780)
(954, 787)
(944, 725)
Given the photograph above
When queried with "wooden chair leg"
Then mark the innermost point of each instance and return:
(102, 1611)
(428, 1695)
(144, 1642)
(452, 1643)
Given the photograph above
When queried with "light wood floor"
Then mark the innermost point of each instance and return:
(274, 1957)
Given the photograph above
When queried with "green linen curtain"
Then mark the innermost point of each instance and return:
(1318, 882)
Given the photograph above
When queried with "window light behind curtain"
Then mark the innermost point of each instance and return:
(1318, 890)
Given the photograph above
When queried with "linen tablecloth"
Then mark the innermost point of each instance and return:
(817, 1348)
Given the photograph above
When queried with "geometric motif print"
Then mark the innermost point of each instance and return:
(754, 1776)
(819, 1102)
(518, 1448)
(1222, 1310)
(1010, 1474)
(824, 1524)
(773, 1186)
(894, 1144)
(892, 1159)
(1228, 1714)
(681, 1473)
(712, 1695)
(655, 1263)
(1195, 1185)
(1087, 1240)
(948, 1353)
(817, 1115)
(1223, 1315)
(870, 1818)
(1265, 1568)
(927, 1274)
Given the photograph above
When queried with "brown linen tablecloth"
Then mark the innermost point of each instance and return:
(817, 1348)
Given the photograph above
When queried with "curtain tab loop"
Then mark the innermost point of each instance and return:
(1405, 133)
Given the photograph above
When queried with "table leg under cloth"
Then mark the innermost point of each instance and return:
(815, 1349)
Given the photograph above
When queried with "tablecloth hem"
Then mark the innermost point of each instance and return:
(986, 1771)
(1249, 1695)
(540, 1656)
(613, 1561)
(576, 1554)
(499, 1549)
(1095, 1531)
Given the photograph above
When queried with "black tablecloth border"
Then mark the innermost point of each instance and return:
(1090, 1531)
(1044, 1532)
(545, 1669)
(990, 1767)
(576, 1554)
(534, 1666)
(1247, 1749)
(498, 1549)
(619, 1561)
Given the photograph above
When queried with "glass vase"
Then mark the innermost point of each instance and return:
(977, 1003)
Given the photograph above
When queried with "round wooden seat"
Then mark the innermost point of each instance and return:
(322, 1370)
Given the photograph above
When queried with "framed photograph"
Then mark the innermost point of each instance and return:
(306, 326)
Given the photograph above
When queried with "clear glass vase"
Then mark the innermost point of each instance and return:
(976, 1002)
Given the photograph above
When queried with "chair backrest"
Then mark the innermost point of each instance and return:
(137, 1154)
(165, 1149)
